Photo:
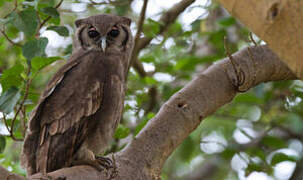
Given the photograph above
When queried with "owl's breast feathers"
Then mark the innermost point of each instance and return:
(60, 122)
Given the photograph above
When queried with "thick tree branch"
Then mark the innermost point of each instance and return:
(200, 98)
(144, 157)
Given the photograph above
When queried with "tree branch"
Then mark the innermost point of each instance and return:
(166, 20)
(144, 157)
(201, 97)
(139, 30)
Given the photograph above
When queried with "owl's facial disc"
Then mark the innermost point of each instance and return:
(101, 39)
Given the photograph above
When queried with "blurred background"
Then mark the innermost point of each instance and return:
(258, 136)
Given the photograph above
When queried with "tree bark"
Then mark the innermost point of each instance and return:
(278, 22)
(144, 157)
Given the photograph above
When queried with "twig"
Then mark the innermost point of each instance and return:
(141, 21)
(47, 18)
(139, 68)
(152, 92)
(139, 30)
(28, 83)
(9, 129)
(109, 3)
(166, 20)
(238, 71)
(15, 7)
(5, 122)
(290, 132)
(8, 39)
(3, 30)
(252, 39)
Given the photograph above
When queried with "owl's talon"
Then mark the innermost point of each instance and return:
(105, 162)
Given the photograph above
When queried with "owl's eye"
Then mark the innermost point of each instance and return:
(114, 33)
(93, 33)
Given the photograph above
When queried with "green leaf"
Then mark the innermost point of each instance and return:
(175, 29)
(140, 126)
(150, 115)
(121, 132)
(228, 153)
(186, 149)
(9, 99)
(6, 20)
(280, 157)
(61, 30)
(196, 25)
(151, 28)
(45, 3)
(39, 63)
(149, 80)
(273, 142)
(147, 59)
(256, 151)
(227, 21)
(34, 48)
(50, 11)
(247, 98)
(68, 50)
(258, 167)
(11, 77)
(121, 10)
(26, 21)
(2, 143)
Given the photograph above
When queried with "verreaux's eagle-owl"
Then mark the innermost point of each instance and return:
(82, 104)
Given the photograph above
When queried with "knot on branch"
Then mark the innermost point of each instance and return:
(273, 11)
(244, 73)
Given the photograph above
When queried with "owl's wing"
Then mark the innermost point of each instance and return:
(50, 87)
(54, 127)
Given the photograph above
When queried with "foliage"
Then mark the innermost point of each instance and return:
(257, 130)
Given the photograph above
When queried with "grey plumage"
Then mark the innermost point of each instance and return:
(82, 104)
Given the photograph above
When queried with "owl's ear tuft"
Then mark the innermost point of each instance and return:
(78, 22)
(126, 20)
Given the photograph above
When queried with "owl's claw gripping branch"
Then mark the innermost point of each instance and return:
(105, 162)
(100, 163)
(108, 165)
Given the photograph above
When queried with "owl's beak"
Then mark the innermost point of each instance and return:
(103, 43)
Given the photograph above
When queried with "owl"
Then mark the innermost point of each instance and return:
(82, 104)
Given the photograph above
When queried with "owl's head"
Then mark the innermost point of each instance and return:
(104, 32)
